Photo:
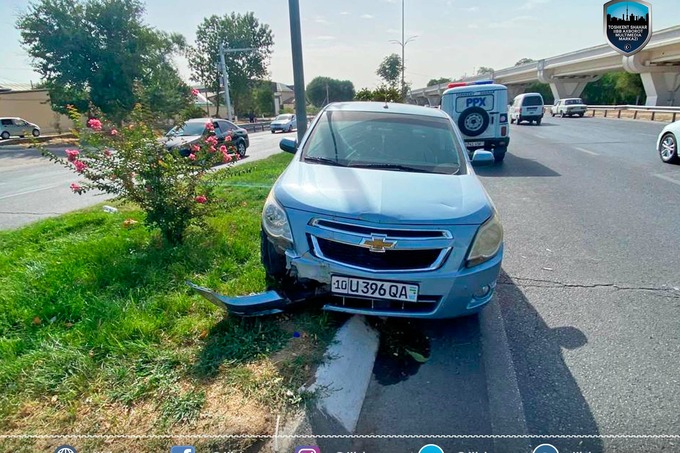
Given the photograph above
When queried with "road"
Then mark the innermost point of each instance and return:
(589, 296)
(32, 188)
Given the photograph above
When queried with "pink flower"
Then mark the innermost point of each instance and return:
(210, 126)
(95, 124)
(227, 138)
(107, 152)
(72, 154)
(80, 165)
(213, 149)
(192, 156)
(212, 140)
(201, 199)
(223, 149)
(114, 132)
(226, 157)
(195, 148)
(194, 91)
(76, 188)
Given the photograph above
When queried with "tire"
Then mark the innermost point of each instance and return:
(241, 148)
(580, 115)
(553, 115)
(473, 121)
(273, 132)
(519, 120)
(668, 149)
(36, 133)
(5, 135)
(274, 263)
(499, 154)
(22, 136)
(538, 122)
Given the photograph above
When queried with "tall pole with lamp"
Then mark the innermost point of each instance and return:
(403, 43)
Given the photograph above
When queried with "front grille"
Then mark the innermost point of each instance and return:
(389, 260)
(425, 234)
(424, 304)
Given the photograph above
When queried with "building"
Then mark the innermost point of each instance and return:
(33, 106)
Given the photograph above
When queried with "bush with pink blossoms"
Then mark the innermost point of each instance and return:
(133, 164)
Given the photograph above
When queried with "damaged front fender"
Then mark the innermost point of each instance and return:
(267, 303)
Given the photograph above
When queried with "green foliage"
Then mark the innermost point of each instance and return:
(135, 166)
(264, 99)
(234, 31)
(543, 89)
(99, 52)
(482, 70)
(323, 90)
(390, 70)
(524, 61)
(615, 88)
(383, 93)
(438, 81)
(364, 94)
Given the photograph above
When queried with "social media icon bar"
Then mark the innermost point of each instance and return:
(308, 449)
(65, 449)
(183, 449)
(431, 448)
(546, 448)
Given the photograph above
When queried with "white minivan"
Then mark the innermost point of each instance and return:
(527, 107)
(480, 109)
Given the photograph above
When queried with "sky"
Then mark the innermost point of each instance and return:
(347, 39)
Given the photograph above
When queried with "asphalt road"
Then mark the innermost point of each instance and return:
(589, 297)
(32, 188)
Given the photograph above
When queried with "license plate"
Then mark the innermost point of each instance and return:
(374, 289)
(474, 143)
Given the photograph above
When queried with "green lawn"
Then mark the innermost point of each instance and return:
(99, 333)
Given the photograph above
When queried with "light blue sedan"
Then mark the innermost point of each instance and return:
(283, 123)
(379, 213)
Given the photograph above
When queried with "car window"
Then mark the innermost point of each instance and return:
(285, 117)
(20, 122)
(6, 122)
(532, 101)
(385, 140)
(190, 128)
(573, 101)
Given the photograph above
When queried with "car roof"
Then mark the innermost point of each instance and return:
(10, 118)
(385, 107)
(484, 87)
(205, 120)
(571, 99)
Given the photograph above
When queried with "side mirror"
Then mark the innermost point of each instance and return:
(288, 145)
(482, 158)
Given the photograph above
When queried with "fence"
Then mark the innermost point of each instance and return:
(673, 112)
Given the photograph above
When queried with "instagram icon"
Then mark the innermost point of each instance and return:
(307, 450)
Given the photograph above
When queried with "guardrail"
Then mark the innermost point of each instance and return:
(635, 109)
(254, 127)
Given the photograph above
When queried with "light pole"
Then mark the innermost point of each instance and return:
(298, 70)
(225, 75)
(403, 43)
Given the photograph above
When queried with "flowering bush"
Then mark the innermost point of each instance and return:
(134, 164)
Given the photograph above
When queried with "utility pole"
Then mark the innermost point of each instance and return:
(225, 76)
(403, 43)
(298, 68)
(327, 97)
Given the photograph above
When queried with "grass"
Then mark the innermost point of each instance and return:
(100, 335)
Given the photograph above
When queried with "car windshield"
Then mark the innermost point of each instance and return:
(283, 117)
(192, 128)
(573, 101)
(532, 100)
(388, 141)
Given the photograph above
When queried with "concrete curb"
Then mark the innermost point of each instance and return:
(341, 381)
(506, 409)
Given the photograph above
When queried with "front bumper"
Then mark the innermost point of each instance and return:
(279, 127)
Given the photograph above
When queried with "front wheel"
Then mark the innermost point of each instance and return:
(668, 149)
(36, 133)
(241, 148)
(580, 115)
(538, 122)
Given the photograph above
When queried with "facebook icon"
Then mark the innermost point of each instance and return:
(183, 449)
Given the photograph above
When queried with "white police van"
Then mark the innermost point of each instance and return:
(480, 109)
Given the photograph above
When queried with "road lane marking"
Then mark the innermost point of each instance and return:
(539, 136)
(667, 178)
(586, 151)
(26, 192)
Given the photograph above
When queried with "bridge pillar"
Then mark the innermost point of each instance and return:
(434, 100)
(661, 82)
(565, 86)
(515, 90)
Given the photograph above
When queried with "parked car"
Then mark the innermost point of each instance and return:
(17, 127)
(667, 143)
(527, 107)
(181, 137)
(568, 107)
(284, 123)
(381, 213)
(480, 109)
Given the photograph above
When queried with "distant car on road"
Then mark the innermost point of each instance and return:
(284, 123)
(667, 143)
(527, 107)
(568, 107)
(12, 126)
(192, 131)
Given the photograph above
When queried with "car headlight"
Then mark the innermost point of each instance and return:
(487, 242)
(274, 219)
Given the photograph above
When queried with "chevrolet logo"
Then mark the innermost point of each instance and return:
(378, 243)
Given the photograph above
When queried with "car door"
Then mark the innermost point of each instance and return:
(20, 127)
(6, 124)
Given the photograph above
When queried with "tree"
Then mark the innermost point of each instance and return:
(244, 68)
(484, 70)
(524, 61)
(264, 99)
(383, 93)
(390, 70)
(322, 90)
(438, 81)
(100, 53)
(364, 94)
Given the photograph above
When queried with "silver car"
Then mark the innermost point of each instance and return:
(284, 123)
(17, 127)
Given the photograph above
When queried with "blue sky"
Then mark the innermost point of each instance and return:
(619, 9)
(347, 39)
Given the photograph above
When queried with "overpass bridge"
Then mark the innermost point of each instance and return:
(658, 65)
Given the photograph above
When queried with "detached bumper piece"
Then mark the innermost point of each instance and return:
(267, 303)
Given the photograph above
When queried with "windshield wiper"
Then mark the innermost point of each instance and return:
(391, 167)
(324, 160)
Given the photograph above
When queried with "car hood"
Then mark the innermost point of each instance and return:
(381, 196)
(280, 122)
(176, 142)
